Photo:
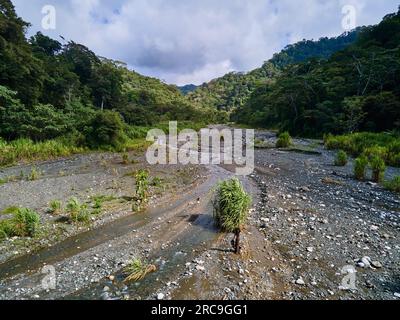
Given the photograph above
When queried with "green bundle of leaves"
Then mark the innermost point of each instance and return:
(24, 223)
(341, 159)
(284, 141)
(360, 168)
(393, 185)
(55, 207)
(232, 205)
(77, 212)
(378, 169)
(142, 184)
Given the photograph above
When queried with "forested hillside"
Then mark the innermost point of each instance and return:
(233, 90)
(355, 89)
(50, 89)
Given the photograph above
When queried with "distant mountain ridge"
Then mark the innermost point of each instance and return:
(233, 89)
(187, 88)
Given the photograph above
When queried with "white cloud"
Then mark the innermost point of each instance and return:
(192, 41)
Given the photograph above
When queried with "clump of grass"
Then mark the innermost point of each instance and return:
(10, 210)
(125, 158)
(24, 223)
(393, 185)
(386, 145)
(27, 150)
(55, 207)
(341, 159)
(6, 229)
(284, 140)
(142, 185)
(378, 169)
(34, 174)
(360, 168)
(137, 270)
(8, 179)
(232, 205)
(77, 212)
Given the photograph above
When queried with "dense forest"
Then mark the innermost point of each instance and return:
(234, 89)
(356, 89)
(50, 89)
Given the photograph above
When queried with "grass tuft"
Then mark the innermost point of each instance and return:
(360, 168)
(24, 223)
(393, 185)
(284, 140)
(138, 270)
(341, 159)
(55, 207)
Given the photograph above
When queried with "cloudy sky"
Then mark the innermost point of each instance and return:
(193, 41)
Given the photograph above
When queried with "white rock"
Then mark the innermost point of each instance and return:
(160, 296)
(200, 268)
(300, 282)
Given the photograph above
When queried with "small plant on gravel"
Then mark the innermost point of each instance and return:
(6, 229)
(360, 168)
(137, 270)
(393, 185)
(125, 158)
(10, 210)
(232, 205)
(25, 223)
(34, 174)
(284, 140)
(55, 207)
(378, 169)
(77, 212)
(142, 185)
(341, 159)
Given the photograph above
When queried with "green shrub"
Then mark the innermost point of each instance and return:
(341, 159)
(25, 223)
(284, 140)
(360, 168)
(34, 174)
(6, 229)
(378, 168)
(393, 185)
(125, 158)
(106, 130)
(142, 184)
(10, 210)
(232, 205)
(27, 150)
(55, 207)
(77, 212)
(384, 145)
